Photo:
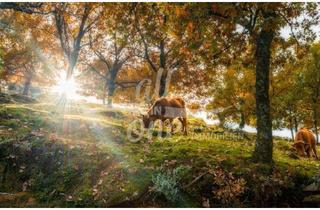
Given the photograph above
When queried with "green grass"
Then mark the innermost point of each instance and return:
(84, 158)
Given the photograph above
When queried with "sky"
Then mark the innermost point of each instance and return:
(286, 31)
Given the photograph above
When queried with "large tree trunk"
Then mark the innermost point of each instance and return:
(163, 79)
(264, 146)
(72, 63)
(27, 84)
(315, 119)
(162, 89)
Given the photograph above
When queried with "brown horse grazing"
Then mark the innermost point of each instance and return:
(304, 142)
(167, 109)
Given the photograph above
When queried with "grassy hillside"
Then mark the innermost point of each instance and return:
(82, 157)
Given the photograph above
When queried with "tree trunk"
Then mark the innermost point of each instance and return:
(242, 120)
(296, 124)
(162, 89)
(264, 146)
(291, 124)
(111, 90)
(27, 84)
(242, 117)
(111, 87)
(315, 120)
(104, 94)
(110, 101)
(222, 120)
(292, 133)
(72, 64)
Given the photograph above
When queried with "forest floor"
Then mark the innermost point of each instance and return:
(79, 155)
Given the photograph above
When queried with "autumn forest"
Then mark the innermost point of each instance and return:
(159, 104)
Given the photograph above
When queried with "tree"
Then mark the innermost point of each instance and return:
(28, 8)
(21, 64)
(286, 89)
(158, 47)
(233, 94)
(257, 24)
(311, 82)
(26, 64)
(73, 22)
(113, 46)
(27, 49)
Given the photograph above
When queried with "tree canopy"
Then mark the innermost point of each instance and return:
(232, 55)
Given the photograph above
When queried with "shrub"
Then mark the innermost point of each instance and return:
(166, 182)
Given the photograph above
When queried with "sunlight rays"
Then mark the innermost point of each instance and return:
(68, 88)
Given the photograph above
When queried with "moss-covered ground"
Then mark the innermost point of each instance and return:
(80, 156)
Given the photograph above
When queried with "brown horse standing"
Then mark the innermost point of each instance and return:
(304, 142)
(167, 109)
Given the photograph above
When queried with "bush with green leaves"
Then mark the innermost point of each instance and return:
(166, 182)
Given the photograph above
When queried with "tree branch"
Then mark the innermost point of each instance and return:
(291, 27)
(127, 84)
(93, 69)
(28, 8)
(146, 51)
